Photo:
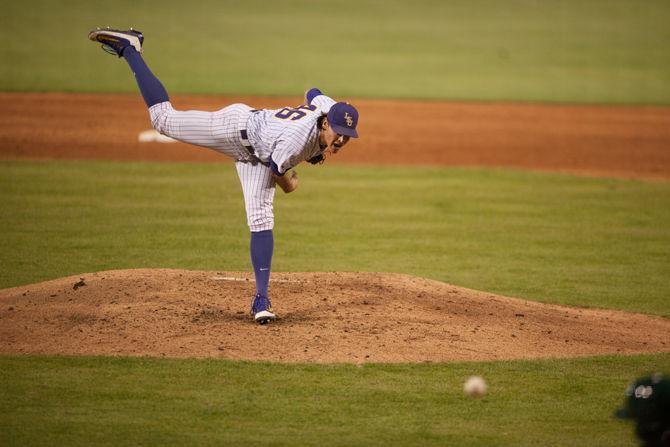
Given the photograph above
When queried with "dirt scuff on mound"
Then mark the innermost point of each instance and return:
(323, 317)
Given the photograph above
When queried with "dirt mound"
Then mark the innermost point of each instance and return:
(323, 317)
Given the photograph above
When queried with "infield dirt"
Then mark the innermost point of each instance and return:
(330, 317)
(628, 142)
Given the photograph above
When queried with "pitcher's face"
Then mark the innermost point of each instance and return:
(333, 141)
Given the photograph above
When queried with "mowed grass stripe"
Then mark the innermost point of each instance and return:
(581, 51)
(141, 401)
(547, 237)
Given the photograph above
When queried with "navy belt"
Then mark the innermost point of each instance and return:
(244, 138)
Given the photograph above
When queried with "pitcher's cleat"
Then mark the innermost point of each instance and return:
(261, 309)
(114, 41)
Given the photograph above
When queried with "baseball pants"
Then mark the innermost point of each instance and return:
(220, 131)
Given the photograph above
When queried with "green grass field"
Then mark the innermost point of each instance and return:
(121, 401)
(593, 51)
(547, 237)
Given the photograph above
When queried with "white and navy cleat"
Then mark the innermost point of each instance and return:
(114, 41)
(261, 309)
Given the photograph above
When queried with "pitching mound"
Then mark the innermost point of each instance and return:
(323, 317)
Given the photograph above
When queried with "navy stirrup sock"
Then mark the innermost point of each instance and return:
(151, 88)
(262, 244)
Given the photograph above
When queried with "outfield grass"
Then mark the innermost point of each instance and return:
(613, 51)
(547, 237)
(125, 401)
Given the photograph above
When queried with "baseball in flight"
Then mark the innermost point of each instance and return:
(475, 386)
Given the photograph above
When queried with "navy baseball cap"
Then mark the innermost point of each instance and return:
(343, 118)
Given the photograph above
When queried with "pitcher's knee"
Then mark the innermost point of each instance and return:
(160, 114)
(261, 221)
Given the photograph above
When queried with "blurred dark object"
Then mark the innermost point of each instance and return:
(648, 404)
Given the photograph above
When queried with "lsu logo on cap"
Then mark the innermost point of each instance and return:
(343, 119)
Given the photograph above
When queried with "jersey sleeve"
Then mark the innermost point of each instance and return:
(283, 158)
(311, 94)
(322, 102)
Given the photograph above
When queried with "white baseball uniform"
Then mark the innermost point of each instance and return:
(260, 142)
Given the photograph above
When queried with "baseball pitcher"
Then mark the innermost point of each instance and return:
(265, 144)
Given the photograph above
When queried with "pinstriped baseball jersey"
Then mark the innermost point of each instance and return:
(288, 136)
